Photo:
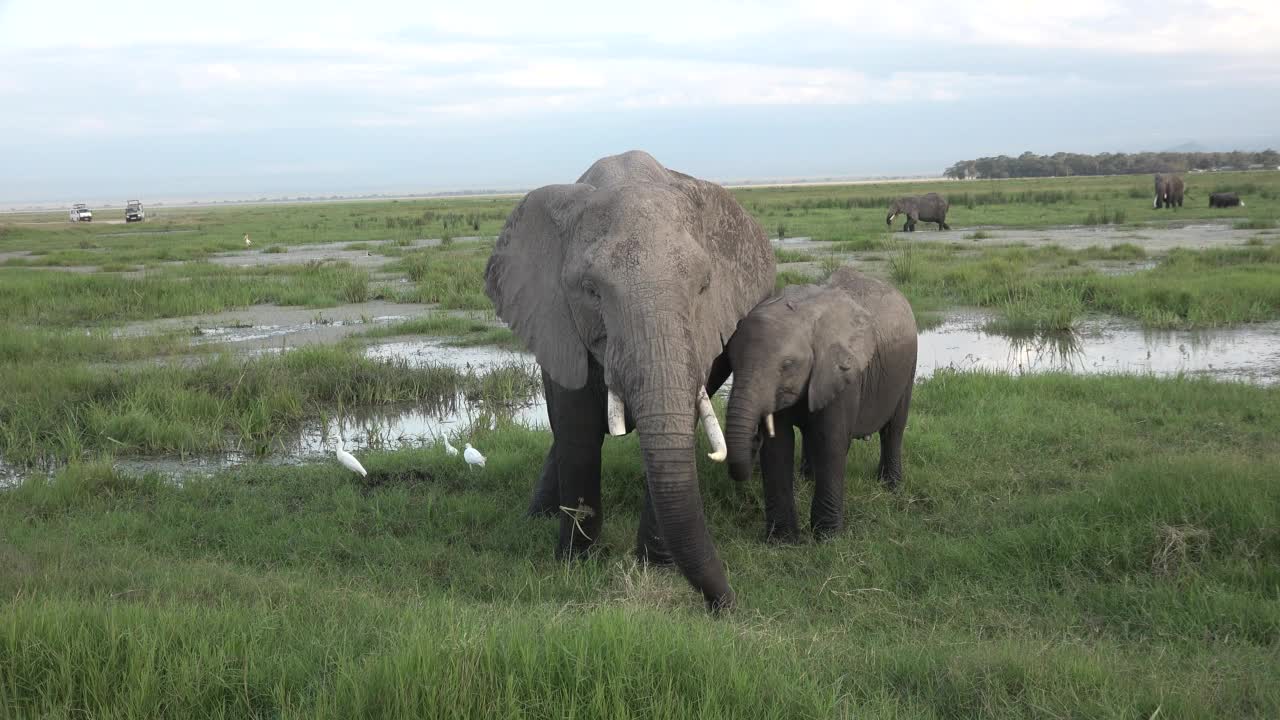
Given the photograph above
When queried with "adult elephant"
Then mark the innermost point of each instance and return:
(1225, 200)
(1169, 191)
(930, 207)
(626, 286)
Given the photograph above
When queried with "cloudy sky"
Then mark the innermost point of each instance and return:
(99, 100)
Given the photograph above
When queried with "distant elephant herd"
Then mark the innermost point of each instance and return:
(932, 207)
(639, 290)
(1170, 191)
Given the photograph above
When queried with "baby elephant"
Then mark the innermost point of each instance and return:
(930, 207)
(837, 361)
(1225, 199)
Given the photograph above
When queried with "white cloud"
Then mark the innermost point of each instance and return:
(160, 67)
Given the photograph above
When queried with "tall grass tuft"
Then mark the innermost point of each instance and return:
(903, 267)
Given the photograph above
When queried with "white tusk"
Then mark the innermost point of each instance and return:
(617, 414)
(768, 424)
(719, 451)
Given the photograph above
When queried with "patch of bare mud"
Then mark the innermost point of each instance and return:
(272, 326)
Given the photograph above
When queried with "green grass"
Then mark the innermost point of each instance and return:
(1062, 547)
(28, 345)
(1256, 223)
(1050, 309)
(783, 255)
(171, 248)
(450, 276)
(793, 277)
(56, 412)
(1049, 285)
(195, 233)
(53, 298)
(856, 212)
(978, 235)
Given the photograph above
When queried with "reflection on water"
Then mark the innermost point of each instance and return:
(434, 352)
(1250, 353)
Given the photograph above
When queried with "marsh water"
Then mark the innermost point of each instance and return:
(960, 343)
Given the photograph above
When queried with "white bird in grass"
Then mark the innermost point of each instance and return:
(472, 456)
(449, 448)
(247, 242)
(349, 461)
(493, 422)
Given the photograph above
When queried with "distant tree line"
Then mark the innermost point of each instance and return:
(1028, 164)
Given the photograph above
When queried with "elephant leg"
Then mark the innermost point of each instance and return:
(943, 226)
(650, 546)
(578, 426)
(890, 471)
(830, 451)
(546, 496)
(777, 466)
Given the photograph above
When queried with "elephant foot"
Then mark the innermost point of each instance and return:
(722, 603)
(891, 480)
(826, 532)
(782, 534)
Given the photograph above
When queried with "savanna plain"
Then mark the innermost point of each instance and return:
(1063, 545)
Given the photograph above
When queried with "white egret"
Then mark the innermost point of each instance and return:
(247, 241)
(473, 456)
(349, 461)
(449, 448)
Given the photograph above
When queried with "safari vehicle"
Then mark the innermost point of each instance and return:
(133, 212)
(81, 213)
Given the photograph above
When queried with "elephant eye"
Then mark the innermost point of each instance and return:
(706, 283)
(590, 288)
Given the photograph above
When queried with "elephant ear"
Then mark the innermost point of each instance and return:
(844, 345)
(743, 263)
(523, 280)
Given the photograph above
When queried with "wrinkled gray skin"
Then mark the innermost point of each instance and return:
(930, 207)
(1225, 200)
(836, 361)
(1169, 191)
(631, 279)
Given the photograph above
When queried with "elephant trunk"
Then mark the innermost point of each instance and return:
(664, 422)
(741, 424)
(658, 375)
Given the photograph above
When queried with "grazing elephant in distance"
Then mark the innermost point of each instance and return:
(931, 207)
(836, 360)
(1169, 191)
(626, 286)
(1224, 200)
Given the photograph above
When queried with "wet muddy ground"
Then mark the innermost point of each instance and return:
(254, 256)
(271, 326)
(1102, 345)
(1155, 240)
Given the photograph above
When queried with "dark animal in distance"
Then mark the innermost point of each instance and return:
(929, 208)
(1169, 191)
(1225, 199)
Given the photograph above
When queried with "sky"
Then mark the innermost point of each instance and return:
(242, 99)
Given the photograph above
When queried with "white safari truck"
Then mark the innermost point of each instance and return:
(133, 212)
(81, 213)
